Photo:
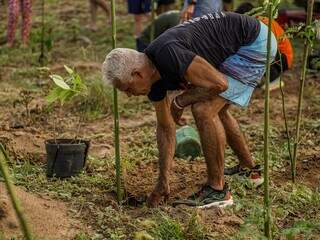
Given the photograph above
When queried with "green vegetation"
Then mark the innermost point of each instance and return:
(15, 202)
(91, 196)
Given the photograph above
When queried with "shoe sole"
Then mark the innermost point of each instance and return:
(221, 204)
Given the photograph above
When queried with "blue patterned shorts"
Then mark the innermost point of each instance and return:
(245, 69)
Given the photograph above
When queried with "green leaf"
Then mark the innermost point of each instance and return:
(69, 70)
(53, 95)
(65, 96)
(58, 80)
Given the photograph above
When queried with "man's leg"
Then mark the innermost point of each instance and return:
(212, 137)
(93, 15)
(235, 138)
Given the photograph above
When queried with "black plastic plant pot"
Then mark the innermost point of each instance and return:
(66, 157)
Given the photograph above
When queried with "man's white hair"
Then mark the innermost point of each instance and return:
(119, 64)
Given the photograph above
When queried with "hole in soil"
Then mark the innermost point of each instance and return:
(132, 200)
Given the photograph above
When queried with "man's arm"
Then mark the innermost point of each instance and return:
(188, 11)
(207, 81)
(166, 145)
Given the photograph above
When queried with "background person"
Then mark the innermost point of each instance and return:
(15, 7)
(197, 8)
(94, 4)
(165, 5)
(139, 9)
(162, 23)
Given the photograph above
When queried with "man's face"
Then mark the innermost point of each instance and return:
(136, 86)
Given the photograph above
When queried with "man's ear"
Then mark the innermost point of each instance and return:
(136, 73)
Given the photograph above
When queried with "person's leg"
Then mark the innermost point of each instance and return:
(138, 24)
(235, 138)
(13, 11)
(213, 139)
(103, 5)
(93, 15)
(139, 8)
(26, 20)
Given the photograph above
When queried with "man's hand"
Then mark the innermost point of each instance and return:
(176, 112)
(187, 13)
(166, 140)
(161, 190)
(206, 81)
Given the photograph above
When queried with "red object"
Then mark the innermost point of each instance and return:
(284, 44)
(289, 17)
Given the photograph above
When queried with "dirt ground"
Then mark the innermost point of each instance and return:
(48, 218)
(26, 143)
(60, 209)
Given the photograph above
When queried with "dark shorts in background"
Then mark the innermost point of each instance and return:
(165, 2)
(139, 6)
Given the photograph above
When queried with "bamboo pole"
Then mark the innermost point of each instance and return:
(116, 112)
(301, 90)
(285, 118)
(267, 210)
(14, 200)
(153, 16)
(41, 57)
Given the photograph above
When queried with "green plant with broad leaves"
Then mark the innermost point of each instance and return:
(66, 88)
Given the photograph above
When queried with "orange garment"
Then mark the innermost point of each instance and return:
(284, 44)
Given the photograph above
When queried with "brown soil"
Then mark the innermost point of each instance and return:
(308, 173)
(48, 218)
(186, 178)
(28, 143)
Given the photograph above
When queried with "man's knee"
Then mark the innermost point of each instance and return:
(201, 111)
(208, 109)
(224, 112)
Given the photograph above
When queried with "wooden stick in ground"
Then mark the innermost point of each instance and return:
(153, 16)
(115, 111)
(301, 90)
(285, 118)
(267, 210)
(41, 57)
(15, 203)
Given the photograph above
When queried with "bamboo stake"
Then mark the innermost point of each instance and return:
(4, 170)
(301, 90)
(115, 111)
(267, 210)
(41, 57)
(153, 16)
(285, 118)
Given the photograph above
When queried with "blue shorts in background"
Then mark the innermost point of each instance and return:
(139, 6)
(245, 69)
(204, 7)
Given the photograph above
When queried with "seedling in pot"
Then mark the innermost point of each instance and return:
(66, 157)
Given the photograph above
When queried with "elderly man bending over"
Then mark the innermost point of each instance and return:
(217, 60)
